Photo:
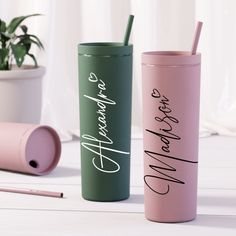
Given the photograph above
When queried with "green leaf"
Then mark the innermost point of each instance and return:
(2, 26)
(5, 35)
(37, 39)
(3, 59)
(4, 38)
(19, 51)
(15, 22)
(24, 29)
(4, 66)
(25, 40)
(3, 54)
(34, 59)
(29, 38)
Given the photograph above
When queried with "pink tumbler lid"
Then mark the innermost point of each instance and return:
(170, 58)
(41, 150)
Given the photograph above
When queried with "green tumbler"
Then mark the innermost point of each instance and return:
(105, 94)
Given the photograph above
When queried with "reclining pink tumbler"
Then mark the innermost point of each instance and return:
(171, 89)
(28, 148)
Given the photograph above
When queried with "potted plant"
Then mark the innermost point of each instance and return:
(20, 84)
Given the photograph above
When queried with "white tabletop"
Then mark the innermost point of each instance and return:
(35, 215)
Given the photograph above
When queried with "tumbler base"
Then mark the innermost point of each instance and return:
(171, 221)
(105, 200)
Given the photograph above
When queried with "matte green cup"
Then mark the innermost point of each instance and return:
(105, 92)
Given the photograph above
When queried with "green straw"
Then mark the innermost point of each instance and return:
(128, 30)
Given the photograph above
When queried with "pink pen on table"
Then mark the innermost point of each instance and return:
(32, 192)
(196, 37)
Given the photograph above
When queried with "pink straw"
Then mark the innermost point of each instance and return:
(196, 37)
(32, 192)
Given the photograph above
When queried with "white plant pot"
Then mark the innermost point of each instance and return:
(21, 94)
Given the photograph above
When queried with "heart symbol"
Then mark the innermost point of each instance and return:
(156, 93)
(92, 77)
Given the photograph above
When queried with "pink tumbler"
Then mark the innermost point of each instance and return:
(28, 148)
(171, 94)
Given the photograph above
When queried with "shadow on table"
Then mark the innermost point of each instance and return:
(204, 220)
(223, 201)
(61, 171)
(214, 221)
(217, 220)
(135, 198)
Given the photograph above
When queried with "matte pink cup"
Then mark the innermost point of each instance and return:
(28, 148)
(171, 89)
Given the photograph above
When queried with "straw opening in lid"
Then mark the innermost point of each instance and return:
(42, 150)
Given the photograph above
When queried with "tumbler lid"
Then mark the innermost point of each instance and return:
(42, 149)
(170, 58)
(105, 49)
